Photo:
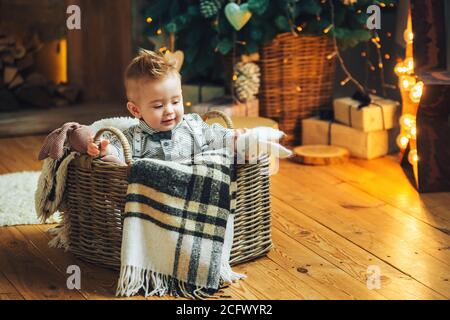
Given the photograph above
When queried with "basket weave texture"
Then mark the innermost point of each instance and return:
(297, 77)
(95, 202)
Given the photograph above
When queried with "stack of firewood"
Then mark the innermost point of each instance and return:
(20, 85)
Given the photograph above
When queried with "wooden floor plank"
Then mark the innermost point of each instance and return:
(316, 272)
(32, 276)
(345, 255)
(384, 179)
(365, 224)
(7, 290)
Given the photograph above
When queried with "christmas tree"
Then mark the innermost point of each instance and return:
(204, 32)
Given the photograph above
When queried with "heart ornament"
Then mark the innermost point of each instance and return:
(177, 57)
(237, 15)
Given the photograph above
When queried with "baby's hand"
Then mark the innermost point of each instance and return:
(92, 148)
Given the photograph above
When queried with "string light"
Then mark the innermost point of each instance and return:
(158, 32)
(299, 29)
(402, 141)
(345, 81)
(235, 77)
(416, 92)
(413, 156)
(327, 29)
(298, 88)
(331, 55)
(188, 103)
(407, 120)
(407, 82)
(375, 42)
(149, 20)
(408, 36)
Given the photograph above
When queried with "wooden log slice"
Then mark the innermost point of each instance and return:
(320, 155)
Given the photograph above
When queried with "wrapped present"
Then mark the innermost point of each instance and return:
(194, 94)
(227, 105)
(366, 145)
(380, 114)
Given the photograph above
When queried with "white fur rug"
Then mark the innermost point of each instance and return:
(17, 199)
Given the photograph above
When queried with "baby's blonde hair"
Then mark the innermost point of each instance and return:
(149, 65)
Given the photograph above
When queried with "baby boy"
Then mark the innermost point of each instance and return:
(153, 87)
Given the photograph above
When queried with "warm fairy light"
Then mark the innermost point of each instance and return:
(149, 20)
(331, 55)
(413, 132)
(158, 32)
(416, 92)
(387, 56)
(407, 120)
(188, 103)
(407, 82)
(376, 43)
(235, 77)
(327, 29)
(404, 67)
(299, 29)
(413, 157)
(345, 81)
(402, 141)
(298, 88)
(163, 49)
(409, 63)
(363, 54)
(408, 36)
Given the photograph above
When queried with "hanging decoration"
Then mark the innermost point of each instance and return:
(210, 8)
(246, 85)
(237, 15)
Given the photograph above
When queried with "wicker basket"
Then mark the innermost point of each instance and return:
(296, 80)
(95, 202)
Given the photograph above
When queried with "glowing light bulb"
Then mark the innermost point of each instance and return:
(402, 141)
(407, 120)
(413, 132)
(413, 156)
(407, 82)
(400, 69)
(409, 64)
(408, 36)
(149, 20)
(416, 92)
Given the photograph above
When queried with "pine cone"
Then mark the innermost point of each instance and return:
(246, 85)
(209, 8)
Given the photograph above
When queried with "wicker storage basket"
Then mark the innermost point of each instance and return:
(296, 80)
(95, 202)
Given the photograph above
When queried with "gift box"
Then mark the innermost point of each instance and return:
(381, 114)
(194, 94)
(366, 145)
(229, 106)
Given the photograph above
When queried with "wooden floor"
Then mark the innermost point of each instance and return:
(329, 225)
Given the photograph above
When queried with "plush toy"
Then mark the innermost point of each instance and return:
(76, 136)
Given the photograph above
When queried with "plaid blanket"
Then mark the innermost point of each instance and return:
(178, 227)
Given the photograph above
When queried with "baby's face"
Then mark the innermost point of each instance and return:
(158, 102)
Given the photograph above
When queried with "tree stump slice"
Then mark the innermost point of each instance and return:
(320, 155)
